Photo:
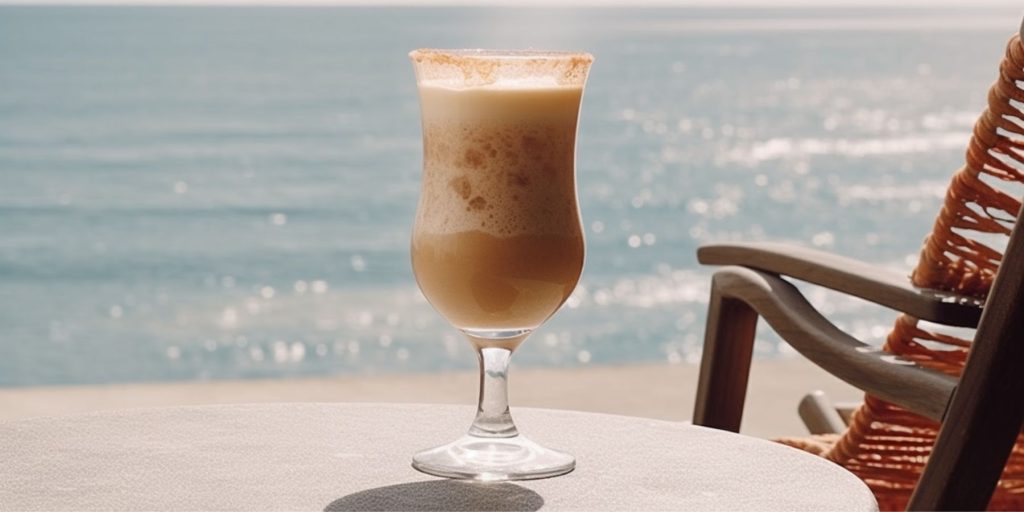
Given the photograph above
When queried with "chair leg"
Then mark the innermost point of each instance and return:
(725, 364)
(819, 415)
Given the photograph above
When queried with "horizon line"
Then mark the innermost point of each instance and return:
(728, 4)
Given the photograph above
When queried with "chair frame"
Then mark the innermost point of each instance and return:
(981, 413)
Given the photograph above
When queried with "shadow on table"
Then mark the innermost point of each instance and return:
(441, 495)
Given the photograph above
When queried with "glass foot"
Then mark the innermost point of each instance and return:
(493, 459)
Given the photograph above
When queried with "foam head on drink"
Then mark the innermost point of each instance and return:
(497, 243)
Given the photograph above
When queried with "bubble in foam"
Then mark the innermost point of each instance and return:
(474, 158)
(478, 203)
(461, 186)
(504, 174)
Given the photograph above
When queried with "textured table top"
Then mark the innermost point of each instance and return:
(356, 457)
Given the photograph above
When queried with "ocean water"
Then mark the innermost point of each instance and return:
(207, 193)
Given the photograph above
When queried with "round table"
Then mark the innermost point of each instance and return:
(339, 457)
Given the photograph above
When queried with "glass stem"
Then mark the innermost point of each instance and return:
(492, 416)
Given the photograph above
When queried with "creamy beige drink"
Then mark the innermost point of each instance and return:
(497, 246)
(497, 243)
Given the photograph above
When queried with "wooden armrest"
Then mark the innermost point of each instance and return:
(726, 359)
(846, 275)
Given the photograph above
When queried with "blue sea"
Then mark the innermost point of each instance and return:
(220, 193)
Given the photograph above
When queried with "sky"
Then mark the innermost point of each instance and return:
(548, 3)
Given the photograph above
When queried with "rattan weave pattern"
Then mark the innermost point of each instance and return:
(886, 445)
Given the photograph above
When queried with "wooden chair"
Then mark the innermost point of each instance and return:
(914, 382)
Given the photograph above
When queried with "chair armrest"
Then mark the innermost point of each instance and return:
(849, 276)
(866, 367)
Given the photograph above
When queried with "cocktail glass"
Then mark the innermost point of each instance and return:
(497, 245)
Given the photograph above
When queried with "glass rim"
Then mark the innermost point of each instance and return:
(498, 55)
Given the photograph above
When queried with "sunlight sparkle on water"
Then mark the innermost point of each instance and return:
(297, 352)
(280, 351)
(319, 286)
(173, 353)
(357, 262)
(229, 318)
(278, 219)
